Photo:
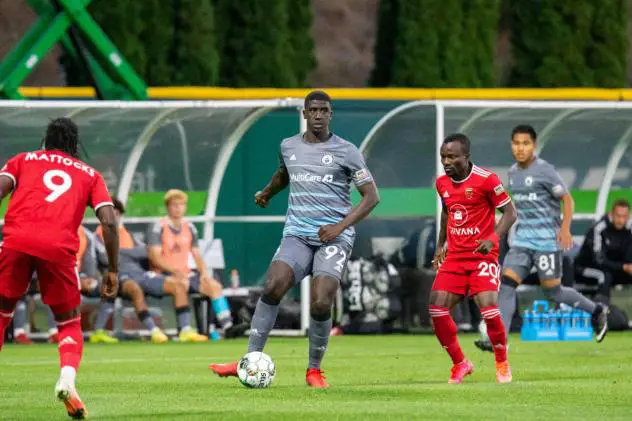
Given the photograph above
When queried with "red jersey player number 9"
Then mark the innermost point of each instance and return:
(57, 189)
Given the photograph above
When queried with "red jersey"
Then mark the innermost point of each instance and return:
(471, 204)
(50, 193)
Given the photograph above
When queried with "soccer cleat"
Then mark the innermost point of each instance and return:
(600, 322)
(503, 372)
(459, 371)
(53, 338)
(316, 378)
(158, 336)
(22, 339)
(236, 331)
(100, 336)
(190, 335)
(225, 370)
(484, 345)
(67, 393)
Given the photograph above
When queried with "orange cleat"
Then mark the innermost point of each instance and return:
(224, 370)
(53, 338)
(459, 371)
(316, 378)
(69, 396)
(503, 372)
(22, 339)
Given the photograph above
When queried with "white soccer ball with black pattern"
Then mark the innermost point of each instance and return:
(256, 370)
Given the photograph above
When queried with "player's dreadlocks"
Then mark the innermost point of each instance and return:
(62, 134)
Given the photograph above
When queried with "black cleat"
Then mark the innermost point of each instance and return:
(600, 321)
(236, 331)
(484, 345)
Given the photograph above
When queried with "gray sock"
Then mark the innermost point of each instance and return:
(50, 318)
(105, 311)
(146, 319)
(566, 295)
(318, 340)
(19, 317)
(261, 325)
(507, 304)
(183, 314)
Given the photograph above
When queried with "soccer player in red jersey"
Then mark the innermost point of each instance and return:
(467, 262)
(51, 189)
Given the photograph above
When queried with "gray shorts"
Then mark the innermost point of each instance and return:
(547, 263)
(151, 283)
(307, 259)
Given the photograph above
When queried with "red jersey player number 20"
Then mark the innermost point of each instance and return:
(470, 205)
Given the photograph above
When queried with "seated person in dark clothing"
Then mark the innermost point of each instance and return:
(604, 259)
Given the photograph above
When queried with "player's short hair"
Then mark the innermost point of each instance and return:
(621, 203)
(118, 205)
(174, 194)
(62, 134)
(461, 138)
(318, 96)
(525, 129)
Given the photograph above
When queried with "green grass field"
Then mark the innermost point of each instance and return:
(380, 378)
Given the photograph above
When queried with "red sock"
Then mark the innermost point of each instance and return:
(70, 343)
(5, 320)
(445, 329)
(496, 332)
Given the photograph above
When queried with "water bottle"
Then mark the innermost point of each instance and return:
(528, 319)
(234, 278)
(213, 334)
(587, 320)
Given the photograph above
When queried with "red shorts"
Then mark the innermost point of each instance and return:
(468, 277)
(59, 284)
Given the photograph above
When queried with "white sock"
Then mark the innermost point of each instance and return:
(18, 331)
(68, 374)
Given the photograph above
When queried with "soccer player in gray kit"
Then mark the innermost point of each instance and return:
(318, 236)
(541, 235)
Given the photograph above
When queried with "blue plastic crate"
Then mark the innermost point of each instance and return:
(542, 323)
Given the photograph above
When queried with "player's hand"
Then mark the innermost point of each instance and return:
(565, 239)
(109, 286)
(261, 199)
(439, 258)
(484, 246)
(627, 268)
(330, 232)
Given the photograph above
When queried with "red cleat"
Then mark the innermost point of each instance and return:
(459, 371)
(315, 378)
(224, 370)
(22, 339)
(54, 338)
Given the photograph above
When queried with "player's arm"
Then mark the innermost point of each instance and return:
(111, 241)
(6, 187)
(280, 180)
(370, 199)
(500, 200)
(197, 256)
(441, 251)
(594, 240)
(564, 237)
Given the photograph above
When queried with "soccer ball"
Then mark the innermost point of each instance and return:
(256, 370)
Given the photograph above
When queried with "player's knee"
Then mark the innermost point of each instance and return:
(274, 291)
(321, 306)
(509, 281)
(553, 293)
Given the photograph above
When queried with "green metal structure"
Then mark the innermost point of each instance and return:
(68, 22)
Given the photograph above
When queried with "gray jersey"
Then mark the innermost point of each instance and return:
(130, 259)
(536, 192)
(88, 267)
(320, 178)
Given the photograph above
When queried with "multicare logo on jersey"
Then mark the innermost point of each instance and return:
(519, 197)
(311, 178)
